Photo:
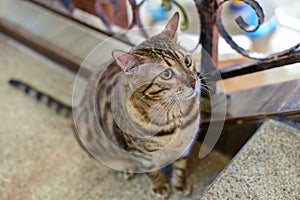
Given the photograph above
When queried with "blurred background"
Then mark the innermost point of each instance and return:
(279, 32)
(45, 42)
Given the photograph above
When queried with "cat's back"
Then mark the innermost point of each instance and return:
(93, 118)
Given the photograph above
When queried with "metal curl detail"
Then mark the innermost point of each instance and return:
(136, 17)
(241, 22)
(244, 26)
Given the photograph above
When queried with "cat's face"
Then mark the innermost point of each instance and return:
(159, 68)
(165, 80)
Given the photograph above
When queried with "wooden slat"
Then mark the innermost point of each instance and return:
(88, 43)
(259, 65)
(243, 102)
(58, 38)
(279, 101)
(285, 92)
(39, 45)
(294, 102)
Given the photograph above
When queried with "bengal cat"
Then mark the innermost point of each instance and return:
(157, 84)
(156, 72)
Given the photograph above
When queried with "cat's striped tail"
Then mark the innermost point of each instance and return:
(42, 96)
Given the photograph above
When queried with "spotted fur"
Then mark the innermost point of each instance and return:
(160, 52)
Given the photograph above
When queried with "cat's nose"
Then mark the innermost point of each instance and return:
(190, 83)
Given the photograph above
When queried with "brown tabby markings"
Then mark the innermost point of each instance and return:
(162, 50)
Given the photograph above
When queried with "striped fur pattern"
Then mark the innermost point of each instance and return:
(171, 80)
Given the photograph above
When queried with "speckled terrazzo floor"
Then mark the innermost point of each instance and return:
(40, 158)
(268, 167)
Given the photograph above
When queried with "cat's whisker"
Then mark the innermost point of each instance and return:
(206, 86)
(169, 105)
(206, 77)
(206, 90)
(161, 104)
(183, 95)
(140, 99)
(208, 83)
(203, 74)
(160, 113)
(207, 80)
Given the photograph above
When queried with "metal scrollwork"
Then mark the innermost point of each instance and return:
(211, 26)
(248, 28)
(241, 22)
(136, 21)
(136, 17)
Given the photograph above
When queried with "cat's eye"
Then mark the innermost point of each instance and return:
(188, 61)
(167, 74)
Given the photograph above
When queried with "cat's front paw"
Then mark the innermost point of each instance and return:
(186, 189)
(162, 191)
(126, 175)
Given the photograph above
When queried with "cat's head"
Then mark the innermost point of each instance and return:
(159, 67)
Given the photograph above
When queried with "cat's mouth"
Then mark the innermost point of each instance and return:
(182, 95)
(186, 93)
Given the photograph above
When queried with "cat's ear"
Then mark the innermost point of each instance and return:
(126, 61)
(172, 26)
